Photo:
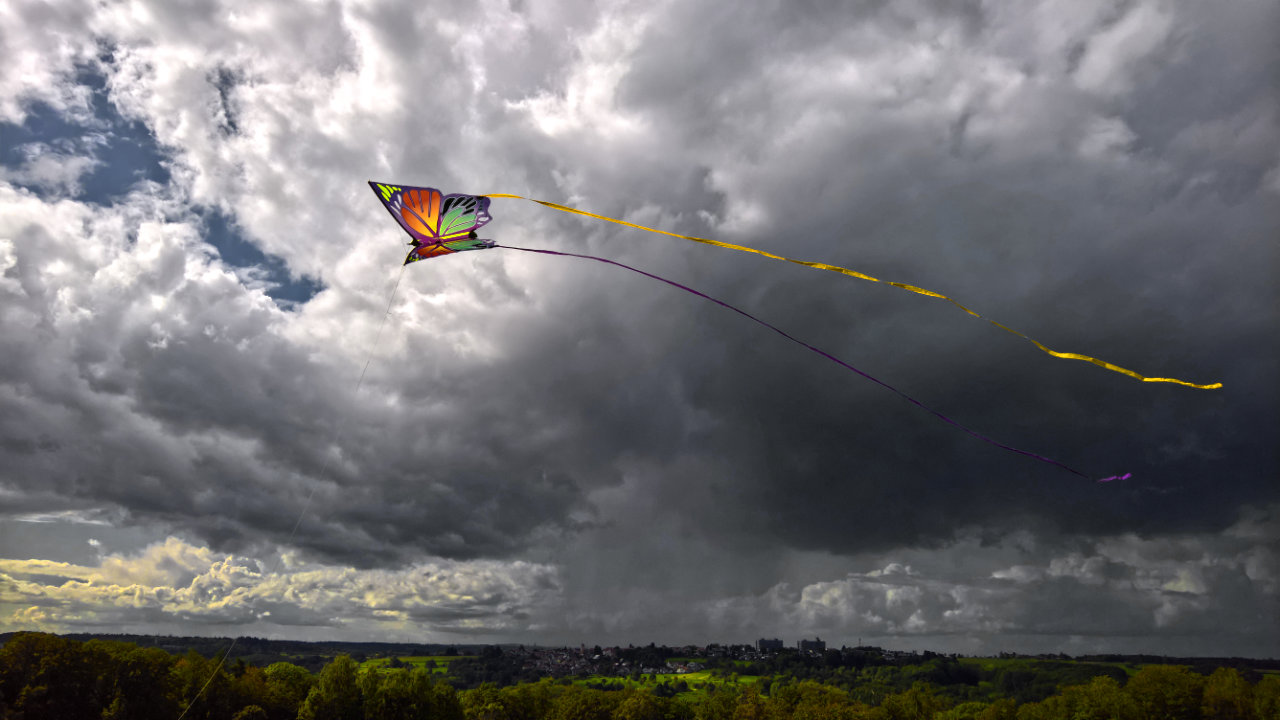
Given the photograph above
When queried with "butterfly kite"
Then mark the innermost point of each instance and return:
(440, 224)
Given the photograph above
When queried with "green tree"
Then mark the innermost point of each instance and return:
(203, 687)
(679, 708)
(1100, 699)
(638, 705)
(336, 695)
(399, 695)
(581, 704)
(250, 688)
(529, 701)
(369, 682)
(964, 711)
(287, 687)
(1227, 696)
(45, 676)
(809, 700)
(483, 703)
(719, 705)
(918, 703)
(750, 705)
(251, 712)
(1166, 692)
(444, 702)
(1043, 710)
(1266, 698)
(140, 681)
(1002, 709)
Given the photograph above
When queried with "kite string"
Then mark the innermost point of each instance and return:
(823, 353)
(863, 276)
(324, 472)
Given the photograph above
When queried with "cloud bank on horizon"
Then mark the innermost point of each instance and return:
(193, 275)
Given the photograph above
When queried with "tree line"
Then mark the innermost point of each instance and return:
(46, 676)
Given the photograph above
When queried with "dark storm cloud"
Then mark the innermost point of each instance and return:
(1054, 218)
(1055, 208)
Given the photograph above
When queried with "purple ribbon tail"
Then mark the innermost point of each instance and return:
(825, 354)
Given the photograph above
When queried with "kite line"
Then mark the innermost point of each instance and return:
(440, 224)
(863, 276)
(324, 472)
(824, 354)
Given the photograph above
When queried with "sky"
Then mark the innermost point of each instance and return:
(207, 338)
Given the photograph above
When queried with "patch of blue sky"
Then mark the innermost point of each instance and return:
(254, 267)
(96, 159)
(102, 158)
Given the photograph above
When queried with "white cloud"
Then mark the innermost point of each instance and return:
(69, 516)
(43, 43)
(174, 583)
(1106, 137)
(1112, 57)
(587, 103)
(52, 171)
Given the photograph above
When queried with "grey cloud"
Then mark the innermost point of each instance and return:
(1125, 588)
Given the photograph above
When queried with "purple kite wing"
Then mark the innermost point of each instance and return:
(393, 199)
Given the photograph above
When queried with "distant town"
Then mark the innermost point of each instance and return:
(620, 661)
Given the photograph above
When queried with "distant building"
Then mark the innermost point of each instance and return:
(763, 645)
(816, 645)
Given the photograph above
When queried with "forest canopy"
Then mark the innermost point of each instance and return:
(46, 676)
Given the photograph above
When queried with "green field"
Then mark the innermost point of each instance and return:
(990, 664)
(691, 679)
(438, 664)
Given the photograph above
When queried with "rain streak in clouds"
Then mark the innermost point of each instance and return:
(193, 274)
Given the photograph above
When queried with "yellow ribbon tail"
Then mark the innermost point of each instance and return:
(863, 276)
